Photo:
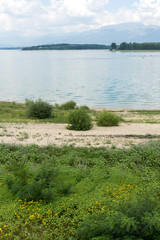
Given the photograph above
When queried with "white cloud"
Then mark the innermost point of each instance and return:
(33, 17)
(149, 11)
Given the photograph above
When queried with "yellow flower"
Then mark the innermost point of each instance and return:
(103, 208)
(44, 222)
(1, 230)
(49, 211)
(31, 217)
(56, 214)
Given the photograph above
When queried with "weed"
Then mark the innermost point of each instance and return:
(22, 136)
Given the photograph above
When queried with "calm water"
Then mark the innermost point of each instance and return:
(95, 78)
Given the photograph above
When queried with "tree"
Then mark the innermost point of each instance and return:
(123, 46)
(113, 45)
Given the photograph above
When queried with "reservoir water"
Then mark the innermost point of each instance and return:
(97, 78)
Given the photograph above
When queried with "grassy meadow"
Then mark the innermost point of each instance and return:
(71, 193)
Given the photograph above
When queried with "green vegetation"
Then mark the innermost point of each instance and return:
(79, 119)
(107, 118)
(65, 46)
(80, 193)
(68, 105)
(140, 46)
(12, 112)
(38, 109)
(113, 46)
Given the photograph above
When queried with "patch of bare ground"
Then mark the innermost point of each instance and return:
(123, 136)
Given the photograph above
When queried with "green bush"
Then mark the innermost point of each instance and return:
(107, 118)
(79, 119)
(68, 105)
(26, 184)
(84, 107)
(131, 219)
(39, 109)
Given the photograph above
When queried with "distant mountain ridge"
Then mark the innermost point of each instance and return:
(125, 32)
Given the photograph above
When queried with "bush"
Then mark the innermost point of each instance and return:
(131, 219)
(39, 109)
(68, 105)
(107, 118)
(84, 107)
(25, 184)
(79, 120)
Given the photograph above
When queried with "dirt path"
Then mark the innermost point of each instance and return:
(124, 135)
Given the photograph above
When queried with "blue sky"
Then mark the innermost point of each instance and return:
(41, 17)
(114, 5)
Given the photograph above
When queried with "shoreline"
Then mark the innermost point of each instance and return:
(137, 126)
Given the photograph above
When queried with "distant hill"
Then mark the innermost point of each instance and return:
(65, 46)
(126, 32)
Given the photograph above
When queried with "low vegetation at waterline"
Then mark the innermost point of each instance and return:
(107, 118)
(11, 112)
(80, 193)
(67, 106)
(39, 109)
(78, 118)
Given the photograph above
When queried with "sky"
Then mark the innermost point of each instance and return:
(41, 17)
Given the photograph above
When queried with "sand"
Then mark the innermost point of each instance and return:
(57, 134)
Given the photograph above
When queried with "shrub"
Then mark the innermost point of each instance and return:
(84, 107)
(39, 109)
(25, 184)
(68, 105)
(79, 120)
(131, 219)
(107, 118)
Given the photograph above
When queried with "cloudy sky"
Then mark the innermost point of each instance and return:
(40, 17)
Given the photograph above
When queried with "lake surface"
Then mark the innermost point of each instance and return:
(97, 78)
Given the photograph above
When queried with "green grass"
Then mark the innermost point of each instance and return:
(79, 189)
(11, 112)
(144, 112)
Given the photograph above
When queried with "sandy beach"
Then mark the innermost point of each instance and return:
(124, 135)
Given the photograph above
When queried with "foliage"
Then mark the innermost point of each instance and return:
(134, 217)
(28, 185)
(80, 193)
(140, 46)
(65, 46)
(39, 109)
(68, 105)
(16, 113)
(113, 45)
(79, 119)
(107, 118)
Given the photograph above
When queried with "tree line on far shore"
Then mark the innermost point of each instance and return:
(123, 46)
(136, 46)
